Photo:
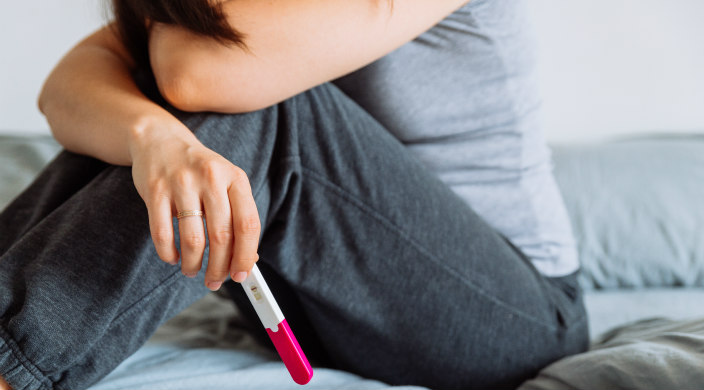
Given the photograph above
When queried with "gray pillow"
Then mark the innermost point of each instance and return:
(637, 209)
(653, 354)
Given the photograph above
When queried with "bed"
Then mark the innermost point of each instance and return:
(636, 209)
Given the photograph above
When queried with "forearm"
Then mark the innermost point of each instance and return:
(94, 107)
(291, 46)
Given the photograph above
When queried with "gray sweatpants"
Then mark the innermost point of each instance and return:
(390, 274)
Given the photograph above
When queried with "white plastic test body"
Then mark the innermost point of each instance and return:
(276, 327)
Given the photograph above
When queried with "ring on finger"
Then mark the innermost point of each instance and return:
(189, 213)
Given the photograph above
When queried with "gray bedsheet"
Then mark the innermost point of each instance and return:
(652, 354)
(207, 346)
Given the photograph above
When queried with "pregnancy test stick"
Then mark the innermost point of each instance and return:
(276, 326)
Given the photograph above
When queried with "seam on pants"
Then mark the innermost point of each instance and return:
(32, 369)
(167, 281)
(341, 193)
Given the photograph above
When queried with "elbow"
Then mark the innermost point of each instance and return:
(179, 90)
(190, 93)
(196, 75)
(196, 88)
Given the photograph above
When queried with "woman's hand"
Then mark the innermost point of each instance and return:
(173, 172)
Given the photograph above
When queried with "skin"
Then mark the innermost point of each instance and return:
(94, 107)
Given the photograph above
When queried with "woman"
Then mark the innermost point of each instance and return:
(466, 281)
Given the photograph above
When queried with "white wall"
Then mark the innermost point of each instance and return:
(609, 67)
(617, 67)
(33, 37)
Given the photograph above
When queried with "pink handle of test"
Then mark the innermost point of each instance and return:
(291, 353)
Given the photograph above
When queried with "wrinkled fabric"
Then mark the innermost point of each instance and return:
(651, 354)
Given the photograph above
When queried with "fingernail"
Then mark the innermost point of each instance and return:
(193, 275)
(239, 277)
(173, 262)
(214, 286)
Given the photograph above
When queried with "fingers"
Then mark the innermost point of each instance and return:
(246, 227)
(4, 385)
(162, 229)
(233, 231)
(220, 237)
(191, 233)
(203, 182)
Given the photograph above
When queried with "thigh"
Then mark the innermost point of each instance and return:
(399, 279)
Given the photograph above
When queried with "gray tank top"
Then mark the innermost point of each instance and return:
(463, 98)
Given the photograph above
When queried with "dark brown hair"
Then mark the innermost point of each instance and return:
(134, 17)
